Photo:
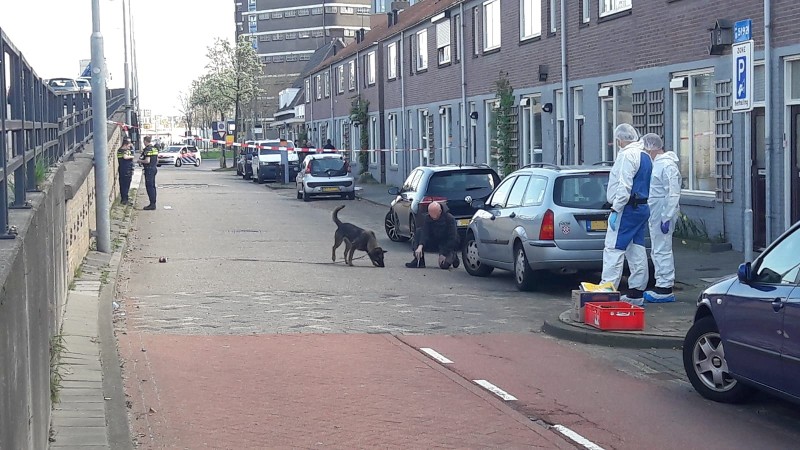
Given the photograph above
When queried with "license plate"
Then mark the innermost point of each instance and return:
(463, 222)
(597, 225)
(330, 189)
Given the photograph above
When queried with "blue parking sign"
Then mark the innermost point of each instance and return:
(742, 76)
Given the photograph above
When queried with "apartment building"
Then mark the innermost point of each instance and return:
(429, 74)
(287, 36)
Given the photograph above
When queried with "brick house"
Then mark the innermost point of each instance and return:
(431, 90)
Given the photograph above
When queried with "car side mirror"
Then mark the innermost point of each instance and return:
(745, 272)
(394, 191)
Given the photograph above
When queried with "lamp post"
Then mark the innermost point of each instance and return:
(100, 136)
(128, 105)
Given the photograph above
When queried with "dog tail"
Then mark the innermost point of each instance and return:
(336, 215)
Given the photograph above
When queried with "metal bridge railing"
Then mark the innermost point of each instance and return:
(38, 129)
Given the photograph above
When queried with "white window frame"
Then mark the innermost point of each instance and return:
(477, 42)
(391, 56)
(577, 116)
(689, 91)
(327, 84)
(586, 14)
(351, 82)
(421, 62)
(318, 81)
(530, 11)
(611, 7)
(445, 132)
(370, 68)
(393, 136)
(531, 153)
(444, 50)
(560, 126)
(496, 17)
(554, 16)
(422, 133)
(308, 90)
(373, 140)
(615, 111)
(340, 79)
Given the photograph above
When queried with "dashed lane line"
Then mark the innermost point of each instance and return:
(577, 438)
(436, 355)
(495, 390)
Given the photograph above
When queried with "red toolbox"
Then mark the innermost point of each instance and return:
(618, 316)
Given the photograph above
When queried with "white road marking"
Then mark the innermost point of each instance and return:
(577, 438)
(436, 355)
(495, 390)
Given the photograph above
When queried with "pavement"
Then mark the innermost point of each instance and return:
(666, 324)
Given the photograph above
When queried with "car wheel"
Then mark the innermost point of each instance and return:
(238, 172)
(412, 227)
(524, 276)
(706, 367)
(197, 163)
(351, 196)
(472, 262)
(297, 188)
(390, 225)
(178, 163)
(306, 197)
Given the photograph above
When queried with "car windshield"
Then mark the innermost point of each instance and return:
(62, 83)
(455, 184)
(263, 152)
(582, 191)
(83, 83)
(328, 166)
(173, 149)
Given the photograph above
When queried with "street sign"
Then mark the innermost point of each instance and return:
(218, 126)
(229, 140)
(742, 31)
(743, 76)
(219, 135)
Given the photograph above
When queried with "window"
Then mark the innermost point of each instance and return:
(331, 9)
(340, 79)
(422, 132)
(292, 58)
(476, 26)
(291, 36)
(446, 132)
(327, 84)
(585, 13)
(373, 140)
(290, 13)
(459, 34)
(443, 41)
(579, 120)
(303, 12)
(351, 82)
(393, 139)
(369, 61)
(530, 24)
(585, 191)
(304, 34)
(500, 196)
(316, 11)
(408, 185)
(422, 50)
(616, 108)
(263, 17)
(317, 33)
(534, 195)
(392, 60)
(278, 59)
(364, 11)
(277, 37)
(263, 38)
(517, 192)
(346, 10)
(277, 15)
(694, 121)
(491, 25)
(780, 265)
(608, 7)
(318, 82)
(531, 129)
(349, 33)
(305, 57)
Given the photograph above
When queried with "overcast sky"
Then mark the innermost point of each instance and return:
(171, 40)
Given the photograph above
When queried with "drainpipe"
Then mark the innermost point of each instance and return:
(463, 118)
(565, 82)
(331, 122)
(402, 74)
(768, 114)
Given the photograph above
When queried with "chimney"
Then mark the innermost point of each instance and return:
(390, 18)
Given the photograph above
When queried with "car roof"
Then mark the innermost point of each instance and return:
(567, 169)
(325, 155)
(455, 167)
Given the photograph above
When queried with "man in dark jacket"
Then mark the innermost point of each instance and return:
(436, 231)
(125, 168)
(149, 159)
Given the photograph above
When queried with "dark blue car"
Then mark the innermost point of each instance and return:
(746, 332)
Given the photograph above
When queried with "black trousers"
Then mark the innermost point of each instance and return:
(150, 183)
(448, 249)
(124, 185)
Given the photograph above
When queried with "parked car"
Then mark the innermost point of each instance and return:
(266, 163)
(84, 84)
(178, 155)
(65, 85)
(746, 331)
(325, 174)
(448, 183)
(541, 218)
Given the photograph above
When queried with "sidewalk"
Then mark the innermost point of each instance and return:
(666, 324)
(91, 412)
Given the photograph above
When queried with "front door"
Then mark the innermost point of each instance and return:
(759, 184)
(795, 163)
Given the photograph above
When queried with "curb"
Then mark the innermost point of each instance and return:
(559, 328)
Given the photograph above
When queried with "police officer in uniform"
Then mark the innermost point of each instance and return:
(125, 168)
(149, 159)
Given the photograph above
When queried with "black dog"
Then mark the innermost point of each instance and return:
(355, 238)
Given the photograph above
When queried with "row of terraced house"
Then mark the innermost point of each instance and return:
(427, 77)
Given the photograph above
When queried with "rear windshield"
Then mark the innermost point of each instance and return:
(263, 152)
(583, 191)
(460, 184)
(328, 166)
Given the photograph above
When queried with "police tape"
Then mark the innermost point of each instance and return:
(302, 149)
(124, 125)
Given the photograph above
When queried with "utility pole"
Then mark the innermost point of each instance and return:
(100, 136)
(128, 104)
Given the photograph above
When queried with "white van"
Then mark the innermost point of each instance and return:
(266, 163)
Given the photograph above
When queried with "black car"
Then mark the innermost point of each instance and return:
(243, 162)
(457, 185)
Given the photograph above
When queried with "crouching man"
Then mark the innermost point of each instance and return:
(436, 232)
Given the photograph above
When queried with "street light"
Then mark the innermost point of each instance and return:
(100, 136)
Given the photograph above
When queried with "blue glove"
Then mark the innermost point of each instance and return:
(612, 220)
(665, 227)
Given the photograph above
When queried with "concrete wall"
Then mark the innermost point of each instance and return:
(35, 271)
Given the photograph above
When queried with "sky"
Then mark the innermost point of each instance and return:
(171, 40)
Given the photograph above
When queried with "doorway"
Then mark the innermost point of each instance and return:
(759, 180)
(795, 163)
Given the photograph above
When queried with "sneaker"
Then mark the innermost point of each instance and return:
(633, 301)
(659, 295)
(456, 262)
(149, 208)
(416, 263)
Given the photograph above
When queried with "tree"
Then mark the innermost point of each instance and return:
(504, 114)
(187, 108)
(358, 115)
(233, 76)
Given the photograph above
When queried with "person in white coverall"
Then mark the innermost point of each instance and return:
(628, 189)
(665, 194)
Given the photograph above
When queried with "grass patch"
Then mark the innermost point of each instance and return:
(40, 170)
(104, 277)
(57, 347)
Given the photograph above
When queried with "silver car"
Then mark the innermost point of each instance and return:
(541, 218)
(325, 174)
